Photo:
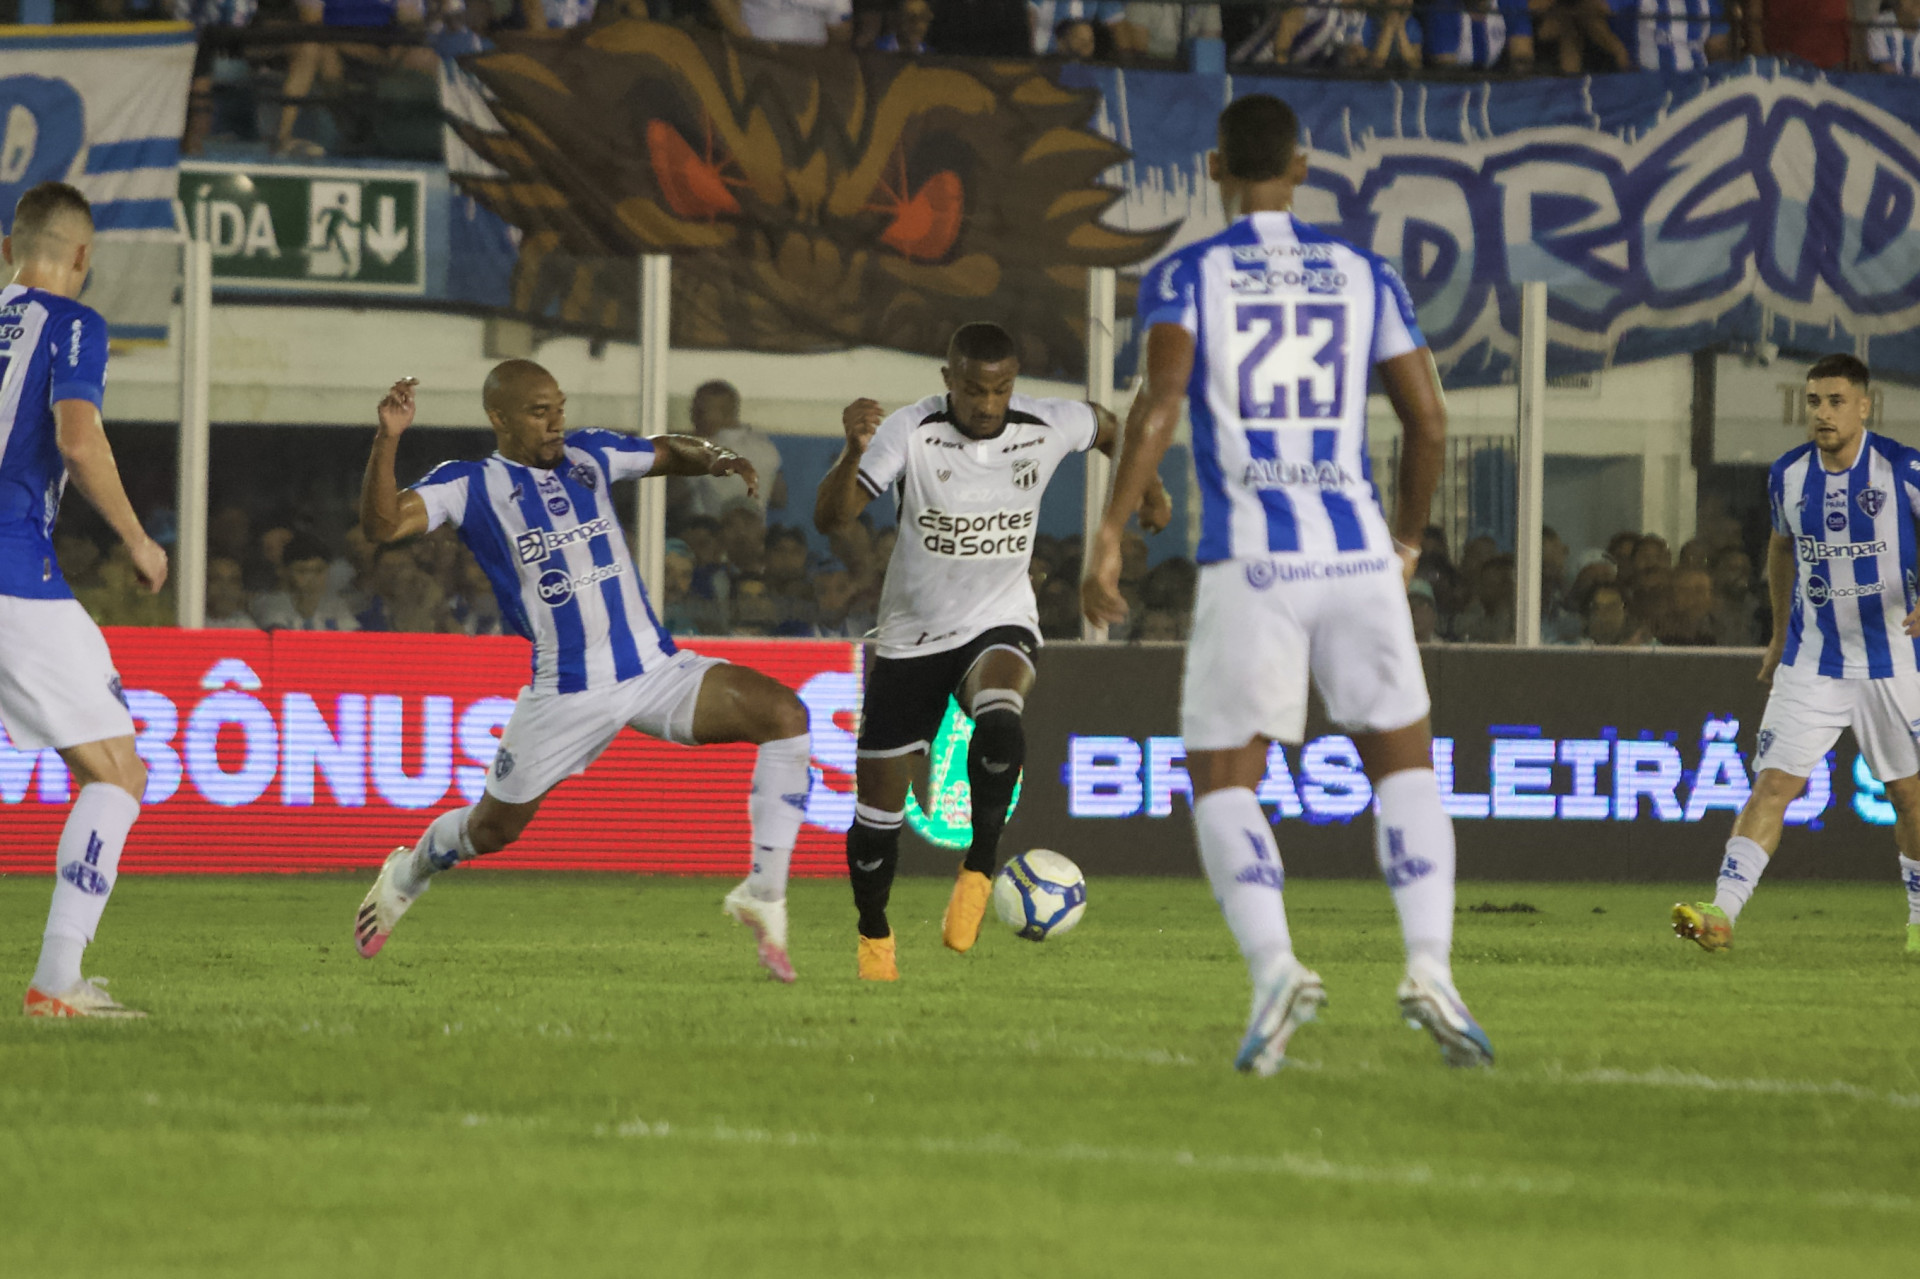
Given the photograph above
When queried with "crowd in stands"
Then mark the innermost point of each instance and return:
(1634, 594)
(399, 40)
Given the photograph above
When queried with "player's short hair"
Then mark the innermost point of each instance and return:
(1257, 137)
(1841, 365)
(718, 386)
(39, 213)
(982, 342)
(507, 375)
(303, 546)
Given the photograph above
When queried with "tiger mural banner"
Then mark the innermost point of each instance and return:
(813, 199)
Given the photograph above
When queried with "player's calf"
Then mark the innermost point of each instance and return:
(994, 757)
(873, 854)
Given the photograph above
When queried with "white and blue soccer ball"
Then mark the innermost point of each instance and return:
(1040, 894)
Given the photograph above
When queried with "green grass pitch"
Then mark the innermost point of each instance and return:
(584, 1076)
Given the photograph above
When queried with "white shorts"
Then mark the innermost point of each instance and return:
(1261, 626)
(58, 687)
(551, 736)
(1807, 712)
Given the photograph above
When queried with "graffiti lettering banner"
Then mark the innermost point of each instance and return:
(103, 107)
(1666, 213)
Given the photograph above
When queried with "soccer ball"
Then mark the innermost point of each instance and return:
(1040, 894)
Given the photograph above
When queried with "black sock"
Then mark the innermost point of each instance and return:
(993, 770)
(873, 854)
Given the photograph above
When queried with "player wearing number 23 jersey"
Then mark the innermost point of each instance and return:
(1267, 333)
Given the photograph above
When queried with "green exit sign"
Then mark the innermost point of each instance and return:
(288, 228)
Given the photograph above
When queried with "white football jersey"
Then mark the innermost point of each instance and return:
(968, 513)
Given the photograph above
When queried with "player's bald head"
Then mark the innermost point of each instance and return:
(50, 222)
(509, 381)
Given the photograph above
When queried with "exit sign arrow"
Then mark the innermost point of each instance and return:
(385, 239)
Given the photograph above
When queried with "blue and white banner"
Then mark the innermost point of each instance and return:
(103, 107)
(1667, 212)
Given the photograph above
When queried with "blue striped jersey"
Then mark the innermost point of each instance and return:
(1891, 46)
(1854, 559)
(1287, 323)
(1668, 35)
(552, 547)
(1475, 39)
(52, 348)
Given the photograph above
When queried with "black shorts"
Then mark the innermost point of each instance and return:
(906, 697)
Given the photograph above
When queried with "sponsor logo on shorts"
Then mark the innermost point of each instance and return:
(985, 535)
(556, 587)
(1821, 592)
(535, 544)
(1871, 500)
(1813, 550)
(503, 763)
(1264, 573)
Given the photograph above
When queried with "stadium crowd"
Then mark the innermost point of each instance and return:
(265, 63)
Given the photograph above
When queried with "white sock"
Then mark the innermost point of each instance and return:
(1910, 874)
(88, 861)
(1243, 866)
(443, 845)
(1740, 871)
(1413, 839)
(777, 806)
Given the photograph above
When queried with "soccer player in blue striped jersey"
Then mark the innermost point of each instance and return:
(1268, 332)
(58, 688)
(538, 516)
(1673, 35)
(1844, 575)
(1893, 41)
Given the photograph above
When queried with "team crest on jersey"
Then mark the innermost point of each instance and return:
(943, 476)
(584, 476)
(1026, 473)
(1871, 501)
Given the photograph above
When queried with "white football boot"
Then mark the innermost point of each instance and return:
(1429, 1002)
(383, 905)
(86, 998)
(1287, 998)
(768, 920)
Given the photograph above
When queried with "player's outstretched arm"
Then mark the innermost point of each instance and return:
(82, 440)
(1780, 570)
(387, 514)
(841, 497)
(691, 455)
(1151, 424)
(1156, 508)
(1412, 384)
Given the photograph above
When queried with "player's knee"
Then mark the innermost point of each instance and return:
(788, 717)
(999, 731)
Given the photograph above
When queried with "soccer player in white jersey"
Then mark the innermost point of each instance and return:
(957, 613)
(58, 687)
(538, 516)
(1271, 328)
(1844, 577)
